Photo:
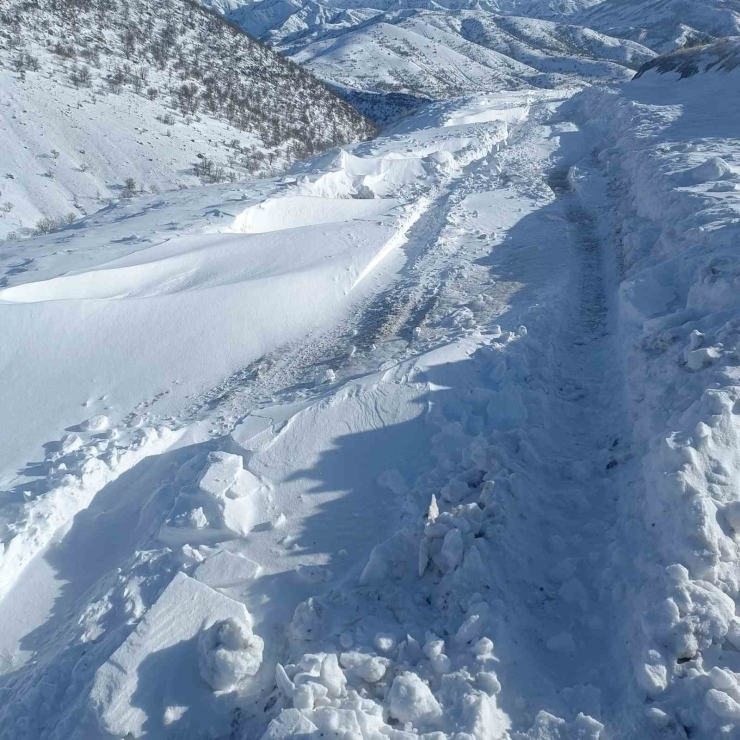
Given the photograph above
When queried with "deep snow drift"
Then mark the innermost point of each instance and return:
(434, 437)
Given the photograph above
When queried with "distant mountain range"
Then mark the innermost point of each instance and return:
(432, 49)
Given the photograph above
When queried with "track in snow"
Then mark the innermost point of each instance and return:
(566, 632)
(553, 562)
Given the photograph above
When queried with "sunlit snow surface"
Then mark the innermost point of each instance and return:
(434, 437)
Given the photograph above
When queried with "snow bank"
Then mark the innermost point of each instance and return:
(670, 146)
(77, 471)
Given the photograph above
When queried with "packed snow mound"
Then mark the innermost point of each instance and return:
(102, 102)
(724, 56)
(665, 25)
(228, 653)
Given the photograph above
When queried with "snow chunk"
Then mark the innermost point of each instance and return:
(97, 423)
(385, 642)
(221, 474)
(411, 700)
(159, 659)
(67, 445)
(489, 682)
(220, 507)
(715, 168)
(226, 569)
(452, 549)
(732, 514)
(548, 727)
(370, 668)
(290, 723)
(723, 705)
(331, 676)
(228, 653)
(336, 723)
(700, 358)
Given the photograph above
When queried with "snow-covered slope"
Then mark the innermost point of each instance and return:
(434, 437)
(530, 8)
(723, 56)
(435, 53)
(665, 25)
(163, 95)
(200, 295)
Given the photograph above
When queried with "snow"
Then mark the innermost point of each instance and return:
(201, 639)
(434, 437)
(410, 700)
(665, 140)
(228, 654)
(426, 51)
(93, 111)
(665, 26)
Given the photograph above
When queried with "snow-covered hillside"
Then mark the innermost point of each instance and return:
(665, 25)
(722, 56)
(432, 436)
(431, 53)
(529, 8)
(103, 100)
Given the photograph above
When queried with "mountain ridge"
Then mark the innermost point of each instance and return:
(161, 96)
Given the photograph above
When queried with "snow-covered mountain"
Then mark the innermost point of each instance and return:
(434, 52)
(532, 8)
(431, 436)
(665, 25)
(101, 99)
(722, 56)
(428, 49)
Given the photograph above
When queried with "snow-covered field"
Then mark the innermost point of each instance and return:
(433, 437)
